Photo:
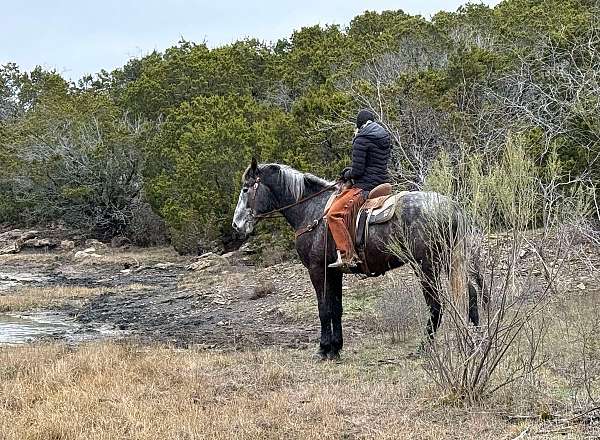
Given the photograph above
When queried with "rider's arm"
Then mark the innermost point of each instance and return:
(359, 157)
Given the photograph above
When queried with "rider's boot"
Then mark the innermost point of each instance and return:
(343, 263)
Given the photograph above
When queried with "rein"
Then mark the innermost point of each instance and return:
(274, 212)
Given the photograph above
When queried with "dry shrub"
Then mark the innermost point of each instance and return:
(399, 310)
(471, 363)
(145, 227)
(263, 289)
(193, 237)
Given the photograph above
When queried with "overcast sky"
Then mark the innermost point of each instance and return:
(78, 37)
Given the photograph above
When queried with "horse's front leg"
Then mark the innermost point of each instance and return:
(326, 285)
(334, 292)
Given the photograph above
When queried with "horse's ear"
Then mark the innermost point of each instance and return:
(254, 165)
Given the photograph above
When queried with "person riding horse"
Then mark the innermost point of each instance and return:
(370, 155)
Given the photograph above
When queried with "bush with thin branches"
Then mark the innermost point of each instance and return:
(508, 241)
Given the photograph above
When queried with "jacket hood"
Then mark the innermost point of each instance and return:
(373, 130)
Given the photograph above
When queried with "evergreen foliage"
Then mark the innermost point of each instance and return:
(177, 128)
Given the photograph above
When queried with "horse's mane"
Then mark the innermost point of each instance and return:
(291, 179)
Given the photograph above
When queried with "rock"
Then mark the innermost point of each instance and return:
(95, 244)
(11, 235)
(12, 248)
(36, 243)
(230, 256)
(234, 258)
(248, 248)
(164, 266)
(580, 286)
(208, 260)
(86, 253)
(80, 255)
(29, 235)
(67, 245)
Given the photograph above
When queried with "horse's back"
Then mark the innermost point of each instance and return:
(421, 219)
(416, 207)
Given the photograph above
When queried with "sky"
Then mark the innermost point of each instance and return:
(78, 37)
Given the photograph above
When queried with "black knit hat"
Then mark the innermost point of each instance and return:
(364, 116)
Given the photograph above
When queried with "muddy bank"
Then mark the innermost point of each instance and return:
(153, 296)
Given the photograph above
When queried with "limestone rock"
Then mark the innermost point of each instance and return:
(164, 266)
(248, 248)
(86, 254)
(67, 245)
(210, 261)
(25, 236)
(14, 234)
(11, 248)
(37, 243)
(98, 245)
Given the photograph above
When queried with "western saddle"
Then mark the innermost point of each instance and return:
(379, 207)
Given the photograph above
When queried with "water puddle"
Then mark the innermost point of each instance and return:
(9, 281)
(24, 328)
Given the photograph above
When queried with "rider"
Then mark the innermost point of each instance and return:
(370, 155)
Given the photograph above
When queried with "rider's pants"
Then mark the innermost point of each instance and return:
(342, 216)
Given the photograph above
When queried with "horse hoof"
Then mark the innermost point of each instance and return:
(333, 356)
(420, 351)
(320, 356)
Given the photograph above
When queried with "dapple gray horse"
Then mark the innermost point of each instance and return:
(424, 226)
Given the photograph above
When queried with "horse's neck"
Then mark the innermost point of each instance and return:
(306, 212)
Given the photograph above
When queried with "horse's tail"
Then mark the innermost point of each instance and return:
(458, 276)
(458, 264)
(476, 274)
(465, 262)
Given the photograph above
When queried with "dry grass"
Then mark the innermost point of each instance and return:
(115, 391)
(137, 256)
(110, 391)
(44, 297)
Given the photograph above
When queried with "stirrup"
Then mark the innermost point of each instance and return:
(344, 265)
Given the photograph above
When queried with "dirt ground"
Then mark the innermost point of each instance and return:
(151, 297)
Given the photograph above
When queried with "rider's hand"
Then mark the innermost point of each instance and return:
(345, 174)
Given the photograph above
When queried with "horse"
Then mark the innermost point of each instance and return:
(269, 189)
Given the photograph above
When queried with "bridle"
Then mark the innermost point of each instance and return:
(273, 213)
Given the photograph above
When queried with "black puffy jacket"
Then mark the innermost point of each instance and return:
(370, 155)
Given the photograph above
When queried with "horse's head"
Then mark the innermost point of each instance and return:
(255, 199)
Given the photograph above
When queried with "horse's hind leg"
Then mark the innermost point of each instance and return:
(429, 276)
(476, 290)
(473, 308)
